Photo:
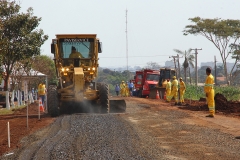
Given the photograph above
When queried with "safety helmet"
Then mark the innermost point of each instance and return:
(174, 77)
(73, 48)
(122, 81)
(180, 78)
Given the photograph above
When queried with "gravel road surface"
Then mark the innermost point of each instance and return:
(150, 129)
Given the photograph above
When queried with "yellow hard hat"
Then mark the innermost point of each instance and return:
(122, 81)
(180, 78)
(174, 77)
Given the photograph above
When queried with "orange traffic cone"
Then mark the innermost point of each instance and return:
(41, 106)
(165, 96)
(157, 95)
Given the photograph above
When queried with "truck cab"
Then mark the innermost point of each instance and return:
(145, 80)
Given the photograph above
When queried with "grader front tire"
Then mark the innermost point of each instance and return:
(103, 96)
(53, 101)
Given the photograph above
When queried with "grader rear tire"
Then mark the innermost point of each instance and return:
(103, 96)
(53, 101)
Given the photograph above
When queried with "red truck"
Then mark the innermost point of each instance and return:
(145, 80)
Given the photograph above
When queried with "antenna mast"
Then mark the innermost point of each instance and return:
(126, 41)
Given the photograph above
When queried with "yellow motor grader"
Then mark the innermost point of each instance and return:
(76, 62)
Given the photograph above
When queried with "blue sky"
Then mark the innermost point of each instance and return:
(154, 26)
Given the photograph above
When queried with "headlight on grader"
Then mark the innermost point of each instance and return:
(89, 68)
(93, 68)
(65, 69)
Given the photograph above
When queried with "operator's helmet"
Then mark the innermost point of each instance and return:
(174, 77)
(122, 81)
(73, 48)
(180, 78)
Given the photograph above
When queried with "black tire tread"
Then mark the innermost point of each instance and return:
(53, 101)
(103, 96)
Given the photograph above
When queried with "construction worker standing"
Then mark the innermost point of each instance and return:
(126, 90)
(168, 90)
(122, 89)
(182, 90)
(174, 90)
(117, 89)
(209, 91)
(130, 87)
(41, 92)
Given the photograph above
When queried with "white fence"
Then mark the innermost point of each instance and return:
(16, 98)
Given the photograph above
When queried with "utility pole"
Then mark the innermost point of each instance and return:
(196, 69)
(174, 59)
(215, 68)
(126, 40)
(179, 69)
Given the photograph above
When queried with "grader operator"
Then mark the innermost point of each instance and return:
(76, 62)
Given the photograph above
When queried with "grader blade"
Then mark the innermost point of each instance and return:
(117, 106)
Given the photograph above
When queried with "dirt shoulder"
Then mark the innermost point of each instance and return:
(18, 126)
(183, 131)
(224, 120)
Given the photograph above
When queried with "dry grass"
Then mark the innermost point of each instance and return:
(5, 111)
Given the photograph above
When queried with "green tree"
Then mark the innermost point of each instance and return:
(235, 71)
(113, 77)
(45, 65)
(220, 32)
(19, 38)
(189, 59)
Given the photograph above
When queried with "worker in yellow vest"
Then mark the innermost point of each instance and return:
(182, 90)
(168, 90)
(127, 93)
(174, 90)
(42, 92)
(209, 91)
(122, 89)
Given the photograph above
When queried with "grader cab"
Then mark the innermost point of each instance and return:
(76, 62)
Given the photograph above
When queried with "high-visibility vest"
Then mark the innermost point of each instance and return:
(174, 85)
(209, 83)
(168, 86)
(182, 86)
(41, 89)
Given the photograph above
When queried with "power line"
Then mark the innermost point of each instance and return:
(135, 56)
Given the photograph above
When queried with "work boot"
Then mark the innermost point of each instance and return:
(210, 116)
(180, 103)
(176, 103)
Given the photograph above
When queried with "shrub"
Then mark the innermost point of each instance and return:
(196, 92)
